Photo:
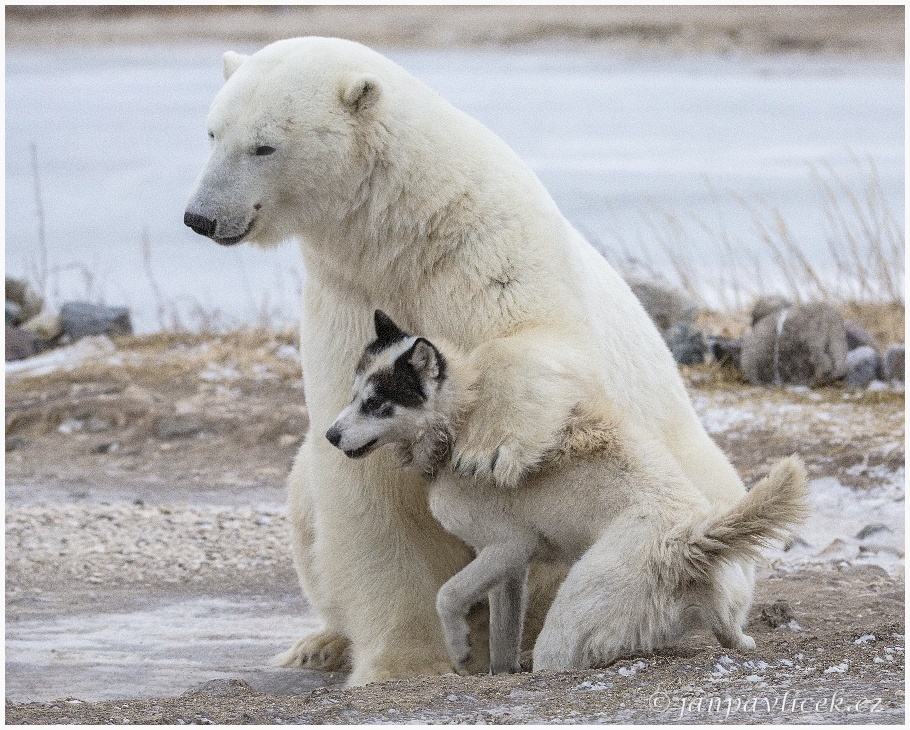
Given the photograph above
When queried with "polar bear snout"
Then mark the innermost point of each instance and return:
(217, 230)
(199, 223)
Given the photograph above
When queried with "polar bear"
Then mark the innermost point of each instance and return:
(399, 201)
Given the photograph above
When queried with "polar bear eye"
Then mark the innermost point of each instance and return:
(264, 150)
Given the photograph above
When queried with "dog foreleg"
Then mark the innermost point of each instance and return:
(507, 609)
(493, 565)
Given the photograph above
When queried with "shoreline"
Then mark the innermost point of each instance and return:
(851, 31)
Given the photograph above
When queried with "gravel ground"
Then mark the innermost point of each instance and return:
(152, 581)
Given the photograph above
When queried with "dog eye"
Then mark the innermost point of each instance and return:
(264, 150)
(377, 406)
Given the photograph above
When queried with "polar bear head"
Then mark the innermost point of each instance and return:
(294, 136)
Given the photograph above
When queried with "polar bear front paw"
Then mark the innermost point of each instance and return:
(504, 465)
(325, 650)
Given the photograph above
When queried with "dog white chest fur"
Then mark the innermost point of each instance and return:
(651, 556)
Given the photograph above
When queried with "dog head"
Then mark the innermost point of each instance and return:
(398, 389)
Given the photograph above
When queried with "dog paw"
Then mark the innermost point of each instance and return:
(327, 651)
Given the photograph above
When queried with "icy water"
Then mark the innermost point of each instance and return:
(642, 154)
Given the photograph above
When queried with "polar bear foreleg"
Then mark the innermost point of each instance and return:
(528, 385)
(381, 557)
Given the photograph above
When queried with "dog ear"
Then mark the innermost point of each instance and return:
(386, 329)
(426, 359)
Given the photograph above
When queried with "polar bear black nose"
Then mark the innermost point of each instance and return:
(199, 223)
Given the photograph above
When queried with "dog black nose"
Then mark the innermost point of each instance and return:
(199, 223)
(334, 436)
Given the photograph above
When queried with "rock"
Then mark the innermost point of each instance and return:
(776, 614)
(893, 366)
(725, 350)
(13, 314)
(686, 343)
(858, 337)
(664, 305)
(14, 442)
(20, 344)
(174, 427)
(19, 292)
(45, 326)
(872, 529)
(766, 306)
(863, 366)
(802, 345)
(80, 319)
(220, 688)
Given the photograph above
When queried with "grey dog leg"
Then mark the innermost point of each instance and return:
(507, 610)
(493, 565)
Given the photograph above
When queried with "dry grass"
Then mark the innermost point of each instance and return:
(864, 240)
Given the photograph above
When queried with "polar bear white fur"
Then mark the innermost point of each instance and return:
(402, 202)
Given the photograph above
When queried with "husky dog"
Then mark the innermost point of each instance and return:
(650, 557)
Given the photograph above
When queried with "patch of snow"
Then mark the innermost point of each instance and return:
(836, 515)
(63, 358)
(218, 373)
(629, 671)
(726, 418)
(586, 685)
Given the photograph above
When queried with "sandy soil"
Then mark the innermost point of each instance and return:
(857, 30)
(153, 478)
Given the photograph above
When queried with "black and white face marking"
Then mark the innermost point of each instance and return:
(396, 376)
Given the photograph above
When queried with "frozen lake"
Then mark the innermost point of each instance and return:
(642, 154)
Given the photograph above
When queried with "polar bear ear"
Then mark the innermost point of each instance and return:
(386, 329)
(361, 92)
(230, 62)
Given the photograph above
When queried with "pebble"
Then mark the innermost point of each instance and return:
(686, 343)
(863, 366)
(80, 319)
(894, 363)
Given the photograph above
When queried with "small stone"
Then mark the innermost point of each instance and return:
(178, 427)
(777, 614)
(45, 326)
(894, 363)
(686, 343)
(20, 344)
(863, 366)
(858, 337)
(13, 314)
(220, 688)
(19, 292)
(14, 442)
(872, 529)
(665, 306)
(80, 319)
(725, 350)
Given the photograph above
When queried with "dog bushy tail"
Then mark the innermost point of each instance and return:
(775, 504)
